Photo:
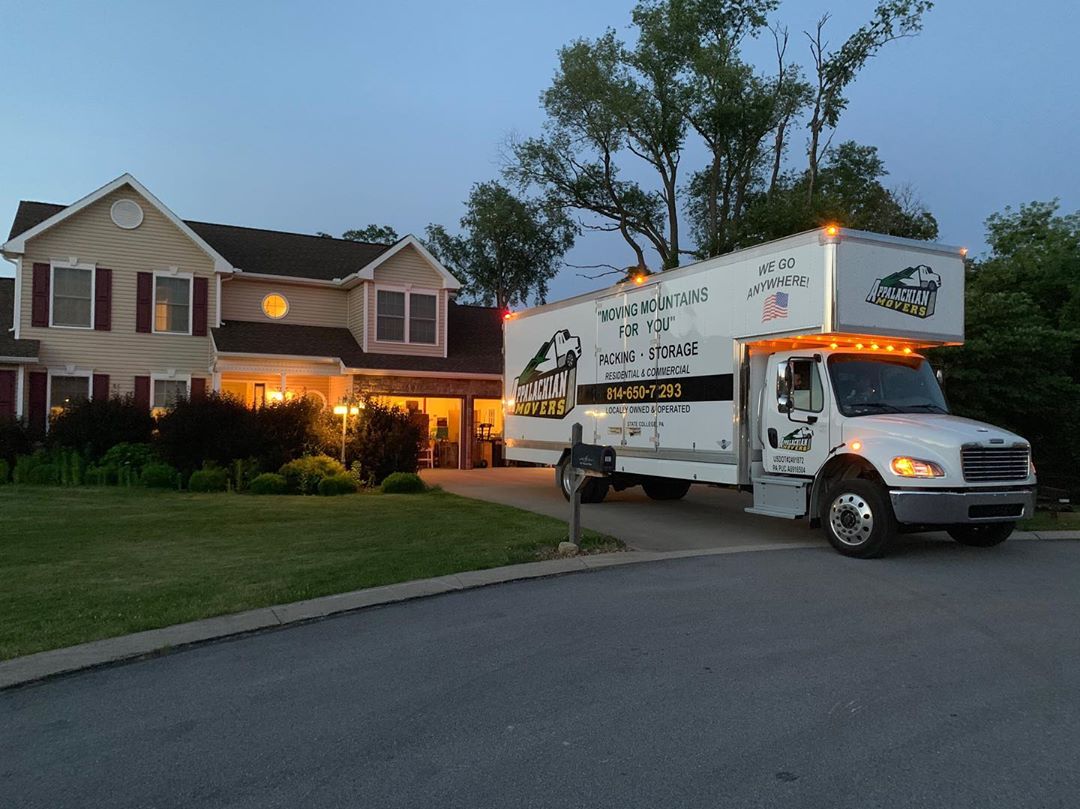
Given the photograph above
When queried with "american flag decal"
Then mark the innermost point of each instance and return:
(775, 306)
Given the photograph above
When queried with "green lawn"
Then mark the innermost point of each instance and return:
(83, 564)
(1045, 521)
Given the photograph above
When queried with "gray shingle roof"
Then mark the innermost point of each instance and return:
(271, 252)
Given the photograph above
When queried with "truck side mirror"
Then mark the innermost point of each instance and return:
(783, 387)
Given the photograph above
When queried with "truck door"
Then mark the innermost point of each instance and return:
(795, 422)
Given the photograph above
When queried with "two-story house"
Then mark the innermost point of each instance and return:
(115, 294)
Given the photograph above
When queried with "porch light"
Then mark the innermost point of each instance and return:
(275, 395)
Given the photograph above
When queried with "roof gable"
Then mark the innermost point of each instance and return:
(17, 243)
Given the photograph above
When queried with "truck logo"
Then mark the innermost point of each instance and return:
(547, 388)
(912, 291)
(797, 440)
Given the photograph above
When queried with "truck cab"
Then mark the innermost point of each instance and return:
(861, 438)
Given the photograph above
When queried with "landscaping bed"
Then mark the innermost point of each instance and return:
(80, 564)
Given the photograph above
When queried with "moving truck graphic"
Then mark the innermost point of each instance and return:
(831, 415)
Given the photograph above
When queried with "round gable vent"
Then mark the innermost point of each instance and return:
(126, 214)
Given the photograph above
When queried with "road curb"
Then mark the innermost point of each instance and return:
(57, 662)
(34, 668)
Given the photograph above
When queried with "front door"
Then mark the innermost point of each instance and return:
(796, 442)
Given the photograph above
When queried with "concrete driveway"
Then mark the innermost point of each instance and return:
(706, 518)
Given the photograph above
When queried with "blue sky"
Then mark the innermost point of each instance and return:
(321, 116)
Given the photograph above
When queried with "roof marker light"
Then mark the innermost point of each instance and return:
(831, 230)
(833, 345)
(907, 350)
(858, 345)
(855, 446)
(890, 348)
(874, 346)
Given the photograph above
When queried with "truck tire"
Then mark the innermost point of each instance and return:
(593, 490)
(665, 488)
(858, 519)
(986, 535)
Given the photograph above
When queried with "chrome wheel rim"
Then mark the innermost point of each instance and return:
(565, 480)
(851, 519)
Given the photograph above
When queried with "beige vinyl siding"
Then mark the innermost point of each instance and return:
(417, 349)
(241, 299)
(91, 237)
(355, 313)
(408, 267)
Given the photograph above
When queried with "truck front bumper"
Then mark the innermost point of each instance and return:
(929, 507)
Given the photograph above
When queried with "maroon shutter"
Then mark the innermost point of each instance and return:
(144, 302)
(142, 391)
(39, 312)
(201, 304)
(198, 388)
(7, 394)
(100, 389)
(39, 387)
(103, 299)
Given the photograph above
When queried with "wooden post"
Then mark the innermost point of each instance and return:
(575, 501)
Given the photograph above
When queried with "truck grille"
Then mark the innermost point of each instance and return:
(995, 463)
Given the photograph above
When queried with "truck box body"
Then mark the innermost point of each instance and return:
(666, 370)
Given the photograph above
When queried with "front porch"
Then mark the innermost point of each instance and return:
(462, 414)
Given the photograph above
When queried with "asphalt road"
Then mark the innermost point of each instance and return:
(940, 677)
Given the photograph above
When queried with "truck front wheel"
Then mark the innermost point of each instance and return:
(982, 536)
(665, 488)
(859, 519)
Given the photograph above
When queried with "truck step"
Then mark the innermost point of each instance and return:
(776, 496)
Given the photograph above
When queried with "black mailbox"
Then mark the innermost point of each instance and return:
(593, 458)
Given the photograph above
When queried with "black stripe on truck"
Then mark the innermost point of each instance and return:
(711, 388)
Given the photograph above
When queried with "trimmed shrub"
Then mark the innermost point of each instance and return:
(290, 430)
(93, 426)
(159, 476)
(403, 483)
(302, 476)
(5, 472)
(269, 483)
(213, 429)
(14, 439)
(43, 474)
(213, 479)
(133, 456)
(26, 464)
(337, 484)
(386, 440)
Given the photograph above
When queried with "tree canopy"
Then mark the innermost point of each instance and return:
(622, 114)
(509, 248)
(1020, 364)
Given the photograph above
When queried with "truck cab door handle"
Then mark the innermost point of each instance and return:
(772, 437)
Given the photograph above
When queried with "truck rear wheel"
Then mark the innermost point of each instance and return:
(665, 488)
(858, 519)
(982, 536)
(593, 490)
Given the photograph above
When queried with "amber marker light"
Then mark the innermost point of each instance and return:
(855, 446)
(907, 350)
(874, 346)
(639, 279)
(831, 230)
(858, 345)
(833, 345)
(963, 251)
(890, 348)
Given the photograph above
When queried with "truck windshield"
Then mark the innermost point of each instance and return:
(869, 385)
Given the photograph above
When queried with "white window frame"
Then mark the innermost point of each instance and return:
(167, 377)
(88, 375)
(191, 302)
(409, 291)
(72, 264)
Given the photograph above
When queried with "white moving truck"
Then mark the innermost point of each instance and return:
(793, 369)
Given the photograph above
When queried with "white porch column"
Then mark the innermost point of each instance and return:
(20, 388)
(215, 381)
(282, 388)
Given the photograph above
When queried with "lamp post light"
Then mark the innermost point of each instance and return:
(348, 407)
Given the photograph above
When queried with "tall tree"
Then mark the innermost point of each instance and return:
(376, 234)
(509, 248)
(1020, 364)
(834, 71)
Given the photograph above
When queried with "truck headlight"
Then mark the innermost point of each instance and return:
(914, 468)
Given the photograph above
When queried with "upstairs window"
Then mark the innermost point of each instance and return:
(406, 317)
(422, 318)
(72, 297)
(390, 320)
(172, 304)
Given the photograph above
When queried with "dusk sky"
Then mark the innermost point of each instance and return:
(320, 117)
